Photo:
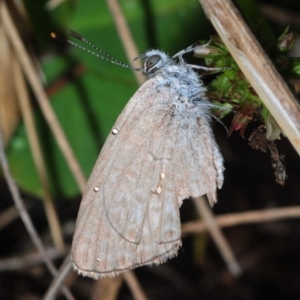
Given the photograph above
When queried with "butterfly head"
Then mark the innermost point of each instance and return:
(154, 60)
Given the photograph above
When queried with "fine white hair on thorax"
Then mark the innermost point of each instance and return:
(179, 76)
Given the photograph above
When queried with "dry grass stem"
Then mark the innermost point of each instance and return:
(258, 216)
(28, 260)
(9, 112)
(107, 288)
(126, 37)
(37, 154)
(256, 66)
(217, 235)
(63, 272)
(133, 284)
(41, 97)
(8, 216)
(19, 203)
(52, 4)
(279, 15)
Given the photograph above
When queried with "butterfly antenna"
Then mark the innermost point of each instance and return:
(103, 55)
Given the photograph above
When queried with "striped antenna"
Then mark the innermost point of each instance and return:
(103, 54)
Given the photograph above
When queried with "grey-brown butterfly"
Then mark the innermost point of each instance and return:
(160, 151)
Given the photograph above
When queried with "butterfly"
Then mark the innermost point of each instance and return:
(160, 151)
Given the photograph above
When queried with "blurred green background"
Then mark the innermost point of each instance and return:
(89, 103)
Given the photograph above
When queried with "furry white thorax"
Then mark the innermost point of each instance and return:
(180, 77)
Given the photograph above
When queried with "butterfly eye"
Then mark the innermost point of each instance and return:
(152, 61)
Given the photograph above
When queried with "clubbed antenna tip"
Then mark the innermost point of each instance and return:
(76, 35)
(103, 55)
(57, 37)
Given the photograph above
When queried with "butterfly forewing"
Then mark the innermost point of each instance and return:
(161, 150)
(134, 206)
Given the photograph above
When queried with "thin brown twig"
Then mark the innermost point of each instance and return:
(28, 260)
(59, 279)
(50, 116)
(52, 4)
(8, 216)
(217, 236)
(9, 113)
(256, 66)
(37, 154)
(24, 214)
(41, 96)
(279, 15)
(134, 286)
(258, 216)
(125, 36)
(111, 285)
(107, 288)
